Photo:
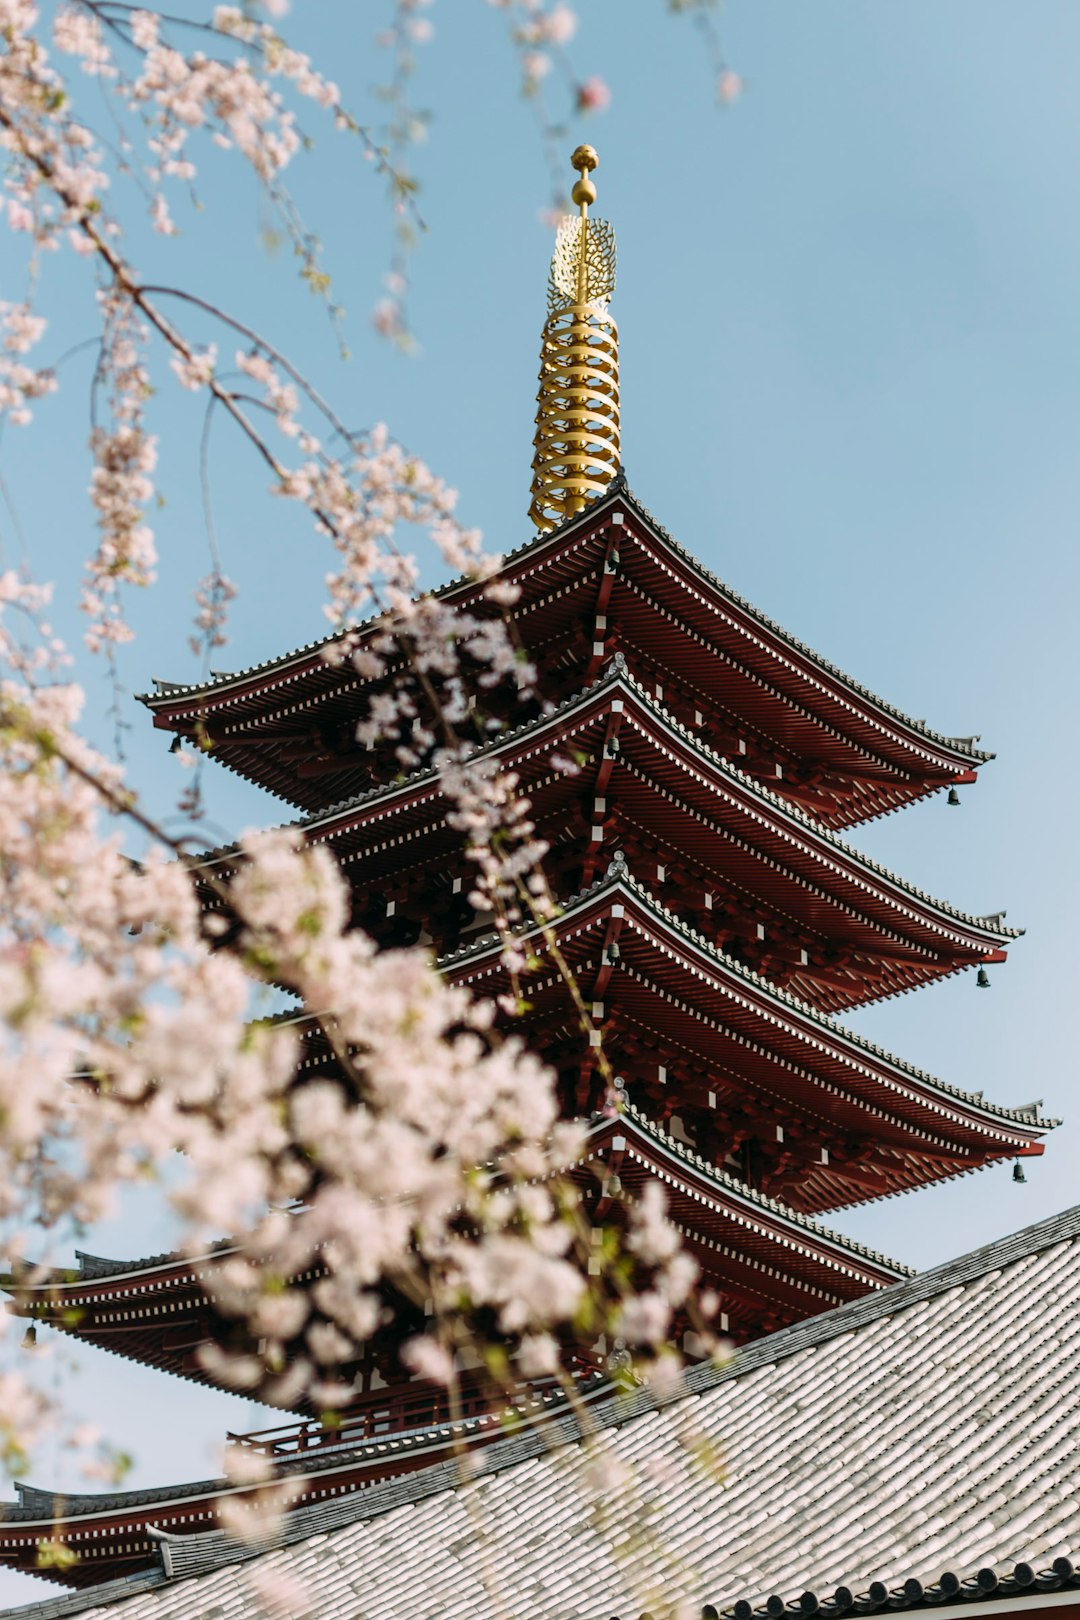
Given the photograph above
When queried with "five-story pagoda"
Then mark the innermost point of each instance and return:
(715, 922)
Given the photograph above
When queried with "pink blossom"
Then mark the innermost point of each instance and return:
(429, 1360)
(594, 95)
(539, 1355)
(560, 25)
(644, 1320)
(729, 86)
(278, 1593)
(195, 368)
(432, 1166)
(145, 27)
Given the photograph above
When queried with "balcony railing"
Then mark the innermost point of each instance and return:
(411, 1409)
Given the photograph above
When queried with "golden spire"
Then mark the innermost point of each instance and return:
(576, 449)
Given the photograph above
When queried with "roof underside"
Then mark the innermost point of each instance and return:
(735, 1027)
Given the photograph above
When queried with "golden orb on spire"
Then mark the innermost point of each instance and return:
(576, 448)
(584, 192)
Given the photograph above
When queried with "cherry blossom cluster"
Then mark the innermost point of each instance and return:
(424, 1167)
(540, 31)
(180, 92)
(20, 383)
(125, 456)
(488, 808)
(421, 1178)
(212, 598)
(414, 1166)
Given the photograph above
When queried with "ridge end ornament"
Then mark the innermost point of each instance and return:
(576, 446)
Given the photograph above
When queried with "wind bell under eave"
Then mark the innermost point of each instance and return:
(576, 448)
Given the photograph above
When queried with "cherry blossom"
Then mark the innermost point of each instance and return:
(594, 95)
(421, 1178)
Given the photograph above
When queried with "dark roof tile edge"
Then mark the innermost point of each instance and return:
(941, 1591)
(65, 1603)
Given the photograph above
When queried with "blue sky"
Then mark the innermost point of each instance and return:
(850, 342)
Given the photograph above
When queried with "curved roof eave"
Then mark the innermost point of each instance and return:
(634, 1122)
(135, 1271)
(990, 925)
(618, 878)
(962, 748)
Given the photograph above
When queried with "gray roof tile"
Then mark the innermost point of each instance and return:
(934, 1426)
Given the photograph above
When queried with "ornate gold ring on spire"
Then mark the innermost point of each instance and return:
(576, 449)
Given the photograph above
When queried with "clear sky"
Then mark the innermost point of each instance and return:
(849, 342)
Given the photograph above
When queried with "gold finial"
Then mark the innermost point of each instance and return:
(576, 448)
(584, 192)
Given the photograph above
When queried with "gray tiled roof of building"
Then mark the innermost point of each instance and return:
(932, 1427)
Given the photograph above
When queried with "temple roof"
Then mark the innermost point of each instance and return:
(618, 874)
(780, 1008)
(94, 1268)
(780, 1257)
(784, 849)
(549, 727)
(910, 1436)
(663, 1153)
(617, 494)
(819, 699)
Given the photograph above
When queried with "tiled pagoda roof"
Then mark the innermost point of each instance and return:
(618, 875)
(830, 702)
(618, 677)
(872, 1458)
(779, 1006)
(463, 585)
(803, 1258)
(650, 1135)
(774, 829)
(961, 745)
(94, 1268)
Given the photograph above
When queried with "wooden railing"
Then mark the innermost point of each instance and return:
(409, 1409)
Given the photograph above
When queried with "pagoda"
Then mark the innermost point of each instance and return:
(715, 921)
